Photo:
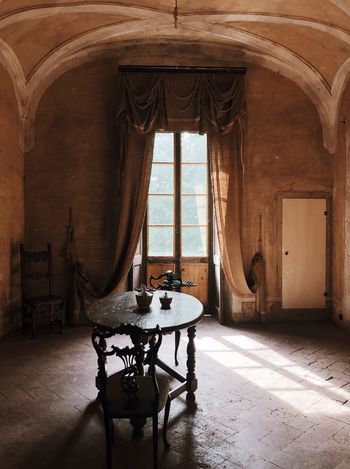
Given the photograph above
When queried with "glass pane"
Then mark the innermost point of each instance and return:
(194, 210)
(163, 147)
(162, 179)
(194, 241)
(160, 241)
(161, 210)
(193, 179)
(194, 148)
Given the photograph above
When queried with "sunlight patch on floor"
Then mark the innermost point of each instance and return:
(278, 375)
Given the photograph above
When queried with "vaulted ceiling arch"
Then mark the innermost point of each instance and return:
(258, 30)
(271, 56)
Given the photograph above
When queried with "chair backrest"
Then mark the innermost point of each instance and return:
(142, 350)
(170, 281)
(36, 272)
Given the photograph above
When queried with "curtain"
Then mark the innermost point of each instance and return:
(212, 102)
(136, 152)
(225, 151)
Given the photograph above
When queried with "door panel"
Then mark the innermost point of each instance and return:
(198, 274)
(303, 253)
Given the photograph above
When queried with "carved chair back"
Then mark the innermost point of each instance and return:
(133, 356)
(36, 272)
(169, 281)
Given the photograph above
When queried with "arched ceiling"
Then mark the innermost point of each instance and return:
(306, 41)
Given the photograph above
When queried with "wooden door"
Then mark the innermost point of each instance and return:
(198, 274)
(304, 253)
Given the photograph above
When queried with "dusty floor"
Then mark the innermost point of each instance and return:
(269, 396)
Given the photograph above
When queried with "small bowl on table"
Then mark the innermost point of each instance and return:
(165, 301)
(144, 302)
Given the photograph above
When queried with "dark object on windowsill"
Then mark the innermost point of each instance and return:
(172, 281)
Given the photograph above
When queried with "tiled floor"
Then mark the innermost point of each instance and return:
(269, 396)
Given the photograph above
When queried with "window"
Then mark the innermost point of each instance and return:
(177, 223)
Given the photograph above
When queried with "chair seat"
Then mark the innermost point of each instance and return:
(117, 399)
(43, 299)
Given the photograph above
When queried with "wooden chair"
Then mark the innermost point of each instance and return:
(37, 296)
(129, 393)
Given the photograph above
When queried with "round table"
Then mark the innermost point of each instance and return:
(185, 312)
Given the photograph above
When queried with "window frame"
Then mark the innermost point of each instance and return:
(178, 258)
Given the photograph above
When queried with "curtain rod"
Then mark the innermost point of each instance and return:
(175, 69)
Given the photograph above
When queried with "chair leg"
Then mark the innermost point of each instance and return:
(24, 321)
(165, 424)
(33, 326)
(177, 343)
(61, 321)
(155, 441)
(108, 430)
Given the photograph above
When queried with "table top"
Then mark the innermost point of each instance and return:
(118, 308)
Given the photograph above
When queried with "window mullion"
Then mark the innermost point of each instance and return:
(177, 146)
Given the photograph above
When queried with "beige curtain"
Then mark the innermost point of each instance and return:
(213, 102)
(225, 152)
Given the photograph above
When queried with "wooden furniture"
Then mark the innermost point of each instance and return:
(185, 312)
(38, 298)
(128, 393)
(171, 281)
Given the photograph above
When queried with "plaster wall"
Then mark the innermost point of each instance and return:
(283, 154)
(341, 223)
(73, 164)
(11, 207)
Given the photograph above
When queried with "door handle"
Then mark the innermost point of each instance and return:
(286, 253)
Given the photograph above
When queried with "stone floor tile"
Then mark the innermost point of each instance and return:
(343, 436)
(303, 458)
(345, 464)
(301, 422)
(270, 396)
(281, 437)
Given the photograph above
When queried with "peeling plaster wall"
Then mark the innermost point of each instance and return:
(341, 217)
(11, 207)
(283, 153)
(73, 164)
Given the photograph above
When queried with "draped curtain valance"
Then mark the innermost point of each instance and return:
(203, 102)
(152, 102)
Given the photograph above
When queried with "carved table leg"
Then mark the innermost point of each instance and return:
(191, 362)
(177, 343)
